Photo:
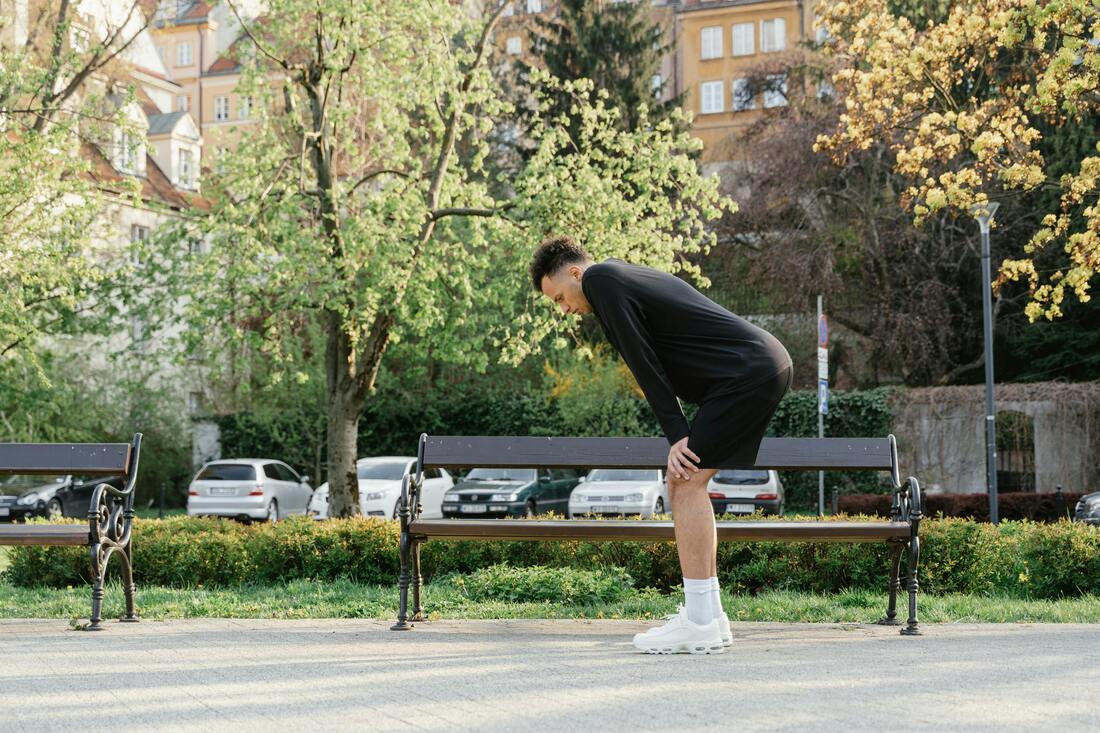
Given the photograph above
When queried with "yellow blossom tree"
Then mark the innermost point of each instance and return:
(961, 100)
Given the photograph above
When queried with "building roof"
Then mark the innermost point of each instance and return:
(160, 124)
(187, 13)
(155, 186)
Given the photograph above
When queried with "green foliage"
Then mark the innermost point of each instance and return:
(617, 46)
(852, 414)
(65, 400)
(1014, 559)
(541, 583)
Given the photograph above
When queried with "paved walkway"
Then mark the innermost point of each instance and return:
(274, 676)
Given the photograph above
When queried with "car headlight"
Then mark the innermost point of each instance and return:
(504, 497)
(376, 495)
(634, 497)
(30, 498)
(451, 496)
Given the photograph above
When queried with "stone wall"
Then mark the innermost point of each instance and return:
(941, 434)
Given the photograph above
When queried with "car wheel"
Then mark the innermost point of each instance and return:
(53, 509)
(659, 506)
(529, 509)
(272, 511)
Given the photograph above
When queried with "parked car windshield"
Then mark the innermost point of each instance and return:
(19, 483)
(382, 471)
(622, 474)
(501, 474)
(740, 476)
(227, 472)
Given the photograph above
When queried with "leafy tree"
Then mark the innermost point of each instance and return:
(959, 101)
(349, 207)
(616, 45)
(56, 99)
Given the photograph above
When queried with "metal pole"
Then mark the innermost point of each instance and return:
(820, 434)
(984, 214)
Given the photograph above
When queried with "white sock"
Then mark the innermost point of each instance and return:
(715, 597)
(697, 601)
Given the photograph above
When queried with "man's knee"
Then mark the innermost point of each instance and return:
(679, 487)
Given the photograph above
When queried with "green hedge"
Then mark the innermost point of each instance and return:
(1020, 559)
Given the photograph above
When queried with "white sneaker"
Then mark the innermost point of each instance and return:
(723, 625)
(681, 636)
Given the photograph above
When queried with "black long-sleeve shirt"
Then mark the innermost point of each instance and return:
(677, 341)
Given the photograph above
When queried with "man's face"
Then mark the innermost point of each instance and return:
(564, 289)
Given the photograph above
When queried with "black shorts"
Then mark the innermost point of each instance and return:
(729, 426)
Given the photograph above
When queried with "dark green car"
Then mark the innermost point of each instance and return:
(511, 492)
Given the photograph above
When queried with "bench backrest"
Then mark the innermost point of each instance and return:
(91, 459)
(784, 454)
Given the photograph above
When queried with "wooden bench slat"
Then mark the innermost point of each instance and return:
(857, 454)
(44, 534)
(65, 458)
(650, 531)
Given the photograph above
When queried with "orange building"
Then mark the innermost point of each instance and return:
(716, 43)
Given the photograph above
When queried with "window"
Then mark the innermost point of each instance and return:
(773, 35)
(244, 108)
(183, 103)
(186, 176)
(78, 38)
(655, 83)
(1015, 451)
(513, 45)
(826, 90)
(127, 154)
(509, 10)
(744, 39)
(221, 108)
(137, 333)
(775, 94)
(710, 93)
(432, 473)
(227, 472)
(742, 96)
(194, 402)
(195, 247)
(710, 43)
(183, 54)
(138, 236)
(534, 6)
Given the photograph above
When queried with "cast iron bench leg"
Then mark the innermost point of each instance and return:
(890, 619)
(911, 628)
(417, 581)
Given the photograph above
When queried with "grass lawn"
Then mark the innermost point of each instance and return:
(341, 599)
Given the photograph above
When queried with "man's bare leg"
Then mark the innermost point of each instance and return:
(693, 519)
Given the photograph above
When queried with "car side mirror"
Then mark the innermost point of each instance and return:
(303, 479)
(582, 479)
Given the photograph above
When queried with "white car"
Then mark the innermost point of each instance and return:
(744, 491)
(620, 491)
(248, 488)
(380, 488)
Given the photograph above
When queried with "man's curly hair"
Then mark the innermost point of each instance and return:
(553, 254)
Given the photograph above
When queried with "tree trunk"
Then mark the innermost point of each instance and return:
(343, 422)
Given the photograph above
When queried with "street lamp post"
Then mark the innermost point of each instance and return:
(984, 214)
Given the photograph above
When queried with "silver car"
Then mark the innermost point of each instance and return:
(248, 488)
(744, 491)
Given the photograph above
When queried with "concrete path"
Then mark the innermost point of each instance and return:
(573, 676)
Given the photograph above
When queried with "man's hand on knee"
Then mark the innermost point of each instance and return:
(681, 460)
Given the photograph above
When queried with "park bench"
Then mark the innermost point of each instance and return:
(784, 454)
(110, 512)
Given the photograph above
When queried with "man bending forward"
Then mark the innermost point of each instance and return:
(680, 344)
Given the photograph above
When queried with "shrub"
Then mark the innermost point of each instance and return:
(1016, 558)
(542, 583)
(1012, 505)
